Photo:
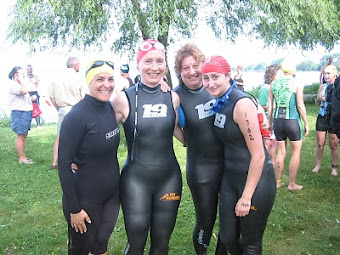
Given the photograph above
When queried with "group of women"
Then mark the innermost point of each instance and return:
(226, 158)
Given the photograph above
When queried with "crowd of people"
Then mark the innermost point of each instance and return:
(233, 166)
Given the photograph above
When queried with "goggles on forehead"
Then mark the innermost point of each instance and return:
(147, 46)
(99, 63)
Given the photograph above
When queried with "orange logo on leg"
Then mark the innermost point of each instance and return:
(170, 197)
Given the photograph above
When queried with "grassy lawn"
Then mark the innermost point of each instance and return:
(31, 219)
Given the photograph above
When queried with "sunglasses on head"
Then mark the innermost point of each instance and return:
(147, 46)
(99, 63)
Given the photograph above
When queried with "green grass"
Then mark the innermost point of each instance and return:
(31, 219)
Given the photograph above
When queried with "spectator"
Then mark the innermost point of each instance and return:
(32, 86)
(20, 105)
(67, 90)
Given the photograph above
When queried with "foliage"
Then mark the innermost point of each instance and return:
(32, 222)
(49, 24)
(153, 19)
(122, 23)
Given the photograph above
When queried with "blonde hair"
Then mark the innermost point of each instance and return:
(331, 69)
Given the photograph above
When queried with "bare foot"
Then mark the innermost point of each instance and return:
(316, 169)
(279, 184)
(295, 187)
(334, 172)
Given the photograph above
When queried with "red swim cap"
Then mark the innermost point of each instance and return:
(148, 45)
(216, 64)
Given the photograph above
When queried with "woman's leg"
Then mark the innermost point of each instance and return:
(320, 139)
(333, 144)
(295, 148)
(280, 162)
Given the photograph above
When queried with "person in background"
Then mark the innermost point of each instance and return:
(204, 151)
(33, 86)
(269, 76)
(87, 138)
(322, 71)
(20, 105)
(65, 91)
(289, 110)
(335, 107)
(151, 181)
(248, 184)
(239, 79)
(323, 123)
(124, 72)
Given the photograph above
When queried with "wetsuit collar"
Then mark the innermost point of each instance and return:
(148, 89)
(193, 91)
(94, 100)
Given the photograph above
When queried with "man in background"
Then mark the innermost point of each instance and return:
(67, 90)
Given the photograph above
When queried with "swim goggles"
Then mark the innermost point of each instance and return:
(99, 63)
(147, 46)
(223, 100)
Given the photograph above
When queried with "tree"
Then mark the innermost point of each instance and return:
(81, 23)
(304, 23)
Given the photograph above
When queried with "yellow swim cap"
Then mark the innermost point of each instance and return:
(96, 67)
(288, 66)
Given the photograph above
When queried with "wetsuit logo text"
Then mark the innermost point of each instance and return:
(220, 120)
(112, 134)
(155, 111)
(204, 110)
(170, 197)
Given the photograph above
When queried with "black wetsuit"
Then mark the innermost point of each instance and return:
(204, 161)
(335, 107)
(151, 181)
(236, 161)
(90, 137)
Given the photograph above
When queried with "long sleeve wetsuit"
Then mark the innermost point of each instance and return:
(151, 181)
(90, 138)
(236, 161)
(204, 162)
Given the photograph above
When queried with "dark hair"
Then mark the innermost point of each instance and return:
(14, 71)
(270, 73)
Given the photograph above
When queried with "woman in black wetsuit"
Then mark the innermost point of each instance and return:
(87, 138)
(204, 151)
(151, 182)
(248, 185)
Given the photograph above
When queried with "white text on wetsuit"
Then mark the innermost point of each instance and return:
(155, 111)
(204, 110)
(220, 120)
(111, 134)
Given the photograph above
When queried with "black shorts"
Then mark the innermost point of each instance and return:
(287, 128)
(323, 125)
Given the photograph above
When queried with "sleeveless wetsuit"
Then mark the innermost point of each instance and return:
(236, 163)
(323, 122)
(151, 181)
(90, 137)
(204, 161)
(335, 107)
(287, 120)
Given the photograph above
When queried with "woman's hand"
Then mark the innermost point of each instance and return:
(242, 207)
(78, 221)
